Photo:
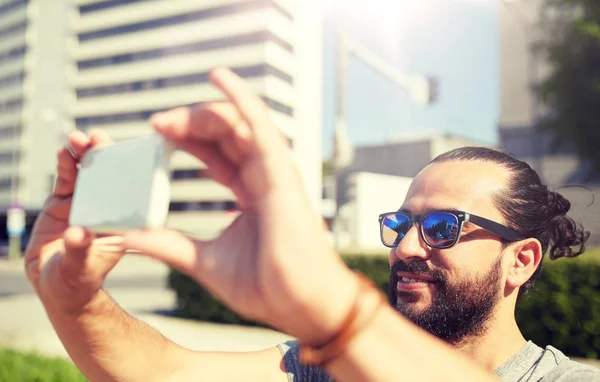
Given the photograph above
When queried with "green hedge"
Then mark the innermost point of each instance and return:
(31, 367)
(562, 310)
(194, 302)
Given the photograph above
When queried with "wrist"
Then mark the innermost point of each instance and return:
(96, 303)
(366, 304)
(331, 308)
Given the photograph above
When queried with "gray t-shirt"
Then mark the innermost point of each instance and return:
(531, 363)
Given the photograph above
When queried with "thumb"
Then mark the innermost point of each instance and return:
(168, 246)
(84, 252)
(77, 244)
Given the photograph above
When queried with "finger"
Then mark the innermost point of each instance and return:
(252, 109)
(66, 170)
(216, 122)
(77, 244)
(66, 173)
(99, 138)
(56, 210)
(84, 252)
(168, 246)
(79, 143)
(220, 168)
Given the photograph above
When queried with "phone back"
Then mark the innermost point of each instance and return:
(123, 186)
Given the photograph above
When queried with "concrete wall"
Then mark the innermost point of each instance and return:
(48, 95)
(370, 195)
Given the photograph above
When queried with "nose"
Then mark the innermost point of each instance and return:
(411, 247)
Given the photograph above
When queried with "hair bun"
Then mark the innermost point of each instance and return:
(565, 234)
(557, 204)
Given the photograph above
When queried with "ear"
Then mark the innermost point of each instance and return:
(526, 256)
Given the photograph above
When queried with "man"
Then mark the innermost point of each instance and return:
(273, 264)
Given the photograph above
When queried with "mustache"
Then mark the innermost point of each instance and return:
(418, 267)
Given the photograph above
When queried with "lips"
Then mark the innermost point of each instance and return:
(414, 277)
(413, 281)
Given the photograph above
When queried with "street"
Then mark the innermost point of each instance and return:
(132, 272)
(12, 284)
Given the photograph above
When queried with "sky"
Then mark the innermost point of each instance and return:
(455, 40)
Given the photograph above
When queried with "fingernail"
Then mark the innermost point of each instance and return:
(77, 236)
(160, 120)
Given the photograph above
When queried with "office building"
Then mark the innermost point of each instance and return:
(125, 60)
(138, 57)
(407, 154)
(34, 97)
(377, 181)
(521, 68)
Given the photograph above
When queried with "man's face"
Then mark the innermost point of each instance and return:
(457, 288)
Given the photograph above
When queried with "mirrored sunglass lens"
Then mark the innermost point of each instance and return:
(393, 228)
(440, 229)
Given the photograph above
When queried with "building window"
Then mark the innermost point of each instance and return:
(7, 183)
(278, 106)
(188, 17)
(188, 79)
(105, 5)
(12, 5)
(200, 46)
(8, 157)
(14, 28)
(12, 79)
(85, 123)
(13, 53)
(202, 206)
(11, 104)
(196, 173)
(7, 131)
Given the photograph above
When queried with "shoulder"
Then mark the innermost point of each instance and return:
(533, 363)
(567, 370)
(298, 372)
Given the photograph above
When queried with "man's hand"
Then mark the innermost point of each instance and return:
(67, 266)
(273, 263)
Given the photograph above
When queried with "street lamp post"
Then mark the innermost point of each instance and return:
(423, 90)
(15, 215)
(342, 147)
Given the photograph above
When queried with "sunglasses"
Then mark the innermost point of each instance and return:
(438, 229)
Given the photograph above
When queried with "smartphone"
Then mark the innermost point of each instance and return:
(123, 186)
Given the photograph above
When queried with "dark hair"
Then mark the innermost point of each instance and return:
(529, 207)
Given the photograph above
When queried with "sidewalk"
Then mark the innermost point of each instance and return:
(24, 325)
(130, 265)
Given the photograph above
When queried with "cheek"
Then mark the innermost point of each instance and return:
(465, 259)
(470, 259)
(445, 259)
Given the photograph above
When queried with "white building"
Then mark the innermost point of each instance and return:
(406, 154)
(138, 57)
(376, 182)
(521, 67)
(370, 195)
(34, 94)
(124, 60)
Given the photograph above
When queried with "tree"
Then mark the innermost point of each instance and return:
(327, 167)
(572, 90)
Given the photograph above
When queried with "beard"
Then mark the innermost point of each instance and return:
(458, 310)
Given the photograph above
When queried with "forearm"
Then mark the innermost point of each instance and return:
(392, 348)
(108, 344)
